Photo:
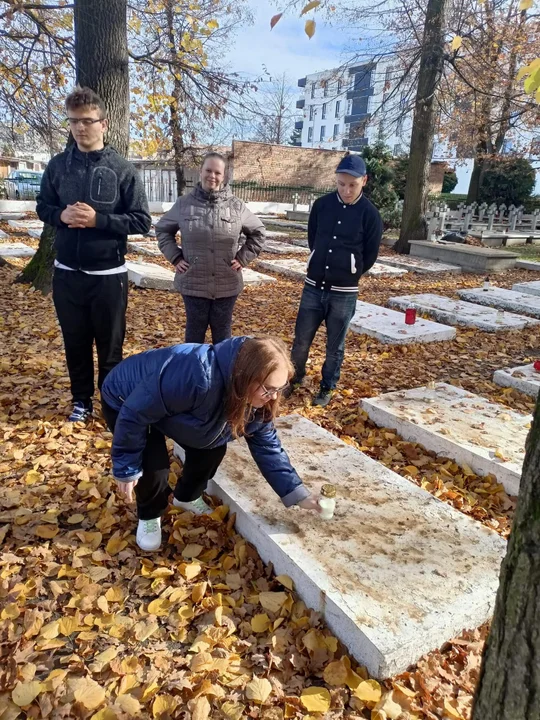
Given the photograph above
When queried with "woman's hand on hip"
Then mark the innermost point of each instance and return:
(126, 490)
(181, 266)
(310, 503)
(236, 265)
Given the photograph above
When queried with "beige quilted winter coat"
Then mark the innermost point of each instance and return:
(210, 226)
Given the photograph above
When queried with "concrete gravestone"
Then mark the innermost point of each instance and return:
(16, 250)
(524, 378)
(389, 326)
(505, 299)
(458, 312)
(395, 574)
(457, 424)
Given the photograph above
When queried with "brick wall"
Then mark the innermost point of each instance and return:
(296, 166)
(284, 164)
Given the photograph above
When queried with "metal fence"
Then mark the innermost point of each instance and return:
(257, 192)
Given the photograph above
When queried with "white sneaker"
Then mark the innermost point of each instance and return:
(149, 534)
(198, 506)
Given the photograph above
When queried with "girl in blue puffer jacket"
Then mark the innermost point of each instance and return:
(203, 397)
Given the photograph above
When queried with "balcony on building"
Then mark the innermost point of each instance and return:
(300, 104)
(298, 125)
(354, 144)
(302, 82)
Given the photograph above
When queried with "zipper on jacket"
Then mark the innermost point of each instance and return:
(214, 439)
(78, 231)
(99, 186)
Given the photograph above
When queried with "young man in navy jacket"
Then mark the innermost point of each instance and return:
(344, 234)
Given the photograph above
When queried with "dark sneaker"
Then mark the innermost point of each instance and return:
(323, 397)
(80, 412)
(293, 385)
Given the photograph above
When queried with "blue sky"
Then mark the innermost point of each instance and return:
(286, 48)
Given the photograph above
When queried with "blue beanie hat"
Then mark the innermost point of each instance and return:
(352, 165)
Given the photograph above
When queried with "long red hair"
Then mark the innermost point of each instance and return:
(256, 360)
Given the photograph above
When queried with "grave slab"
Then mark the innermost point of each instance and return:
(388, 326)
(16, 250)
(11, 216)
(503, 298)
(418, 265)
(525, 379)
(470, 258)
(395, 573)
(25, 224)
(150, 276)
(459, 312)
(144, 248)
(301, 242)
(33, 233)
(288, 224)
(280, 248)
(290, 267)
(383, 270)
(529, 288)
(275, 234)
(528, 265)
(457, 424)
(155, 277)
(3, 235)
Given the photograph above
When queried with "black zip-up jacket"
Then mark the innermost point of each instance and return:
(344, 242)
(108, 183)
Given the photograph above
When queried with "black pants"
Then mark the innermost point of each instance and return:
(90, 308)
(152, 491)
(202, 312)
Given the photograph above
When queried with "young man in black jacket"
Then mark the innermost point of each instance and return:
(94, 199)
(344, 234)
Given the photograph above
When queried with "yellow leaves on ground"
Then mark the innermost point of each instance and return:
(89, 693)
(25, 693)
(369, 691)
(192, 551)
(258, 690)
(286, 581)
(316, 699)
(272, 601)
(336, 673)
(32, 477)
(47, 532)
(116, 544)
(159, 607)
(164, 705)
(260, 623)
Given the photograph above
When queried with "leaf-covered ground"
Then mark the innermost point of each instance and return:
(93, 628)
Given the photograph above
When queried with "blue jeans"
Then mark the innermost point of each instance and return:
(336, 310)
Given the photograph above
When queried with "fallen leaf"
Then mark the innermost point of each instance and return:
(25, 693)
(260, 623)
(316, 699)
(164, 705)
(89, 693)
(258, 690)
(369, 691)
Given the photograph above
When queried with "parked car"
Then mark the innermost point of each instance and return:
(22, 184)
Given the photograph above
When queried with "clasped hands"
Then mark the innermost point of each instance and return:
(182, 266)
(79, 215)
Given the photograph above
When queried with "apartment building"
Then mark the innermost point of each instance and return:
(348, 108)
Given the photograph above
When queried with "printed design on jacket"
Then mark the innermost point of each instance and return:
(103, 185)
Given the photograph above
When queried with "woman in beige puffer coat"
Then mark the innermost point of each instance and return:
(210, 258)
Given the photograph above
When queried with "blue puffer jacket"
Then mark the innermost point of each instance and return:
(181, 390)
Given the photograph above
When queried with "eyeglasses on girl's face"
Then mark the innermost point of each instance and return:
(269, 391)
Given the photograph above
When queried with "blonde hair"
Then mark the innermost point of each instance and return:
(256, 360)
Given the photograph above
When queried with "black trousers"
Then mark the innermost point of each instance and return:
(90, 308)
(152, 490)
(202, 312)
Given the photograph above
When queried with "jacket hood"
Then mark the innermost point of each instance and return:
(211, 197)
(225, 353)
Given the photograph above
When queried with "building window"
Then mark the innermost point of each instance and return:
(311, 112)
(312, 90)
(349, 107)
(399, 126)
(336, 131)
(323, 114)
(325, 88)
(323, 133)
(310, 135)
(338, 108)
(339, 85)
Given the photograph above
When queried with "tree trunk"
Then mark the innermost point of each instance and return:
(103, 26)
(413, 224)
(177, 134)
(509, 685)
(101, 61)
(38, 272)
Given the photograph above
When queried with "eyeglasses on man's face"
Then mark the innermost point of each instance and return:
(268, 392)
(85, 122)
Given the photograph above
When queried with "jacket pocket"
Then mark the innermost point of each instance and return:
(309, 259)
(103, 185)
